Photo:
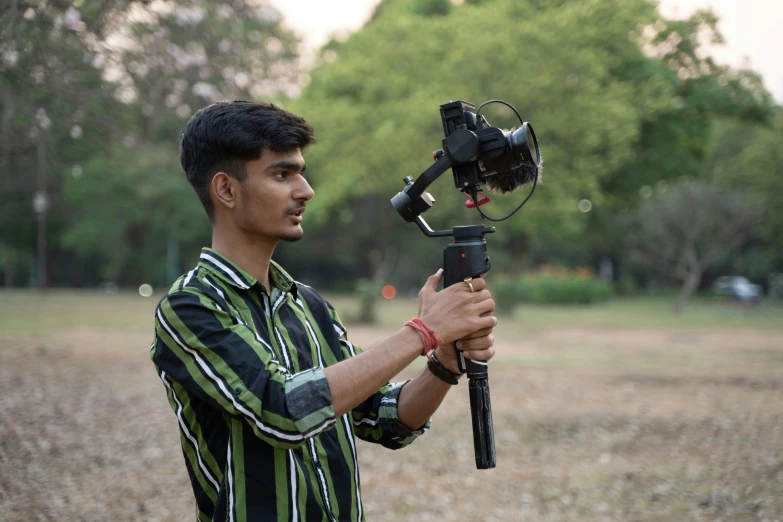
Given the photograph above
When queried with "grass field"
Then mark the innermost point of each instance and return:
(619, 411)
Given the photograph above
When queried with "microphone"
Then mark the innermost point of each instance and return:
(506, 182)
(520, 164)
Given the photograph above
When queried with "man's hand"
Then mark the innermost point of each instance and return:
(456, 312)
(478, 346)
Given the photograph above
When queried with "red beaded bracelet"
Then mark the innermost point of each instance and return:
(428, 337)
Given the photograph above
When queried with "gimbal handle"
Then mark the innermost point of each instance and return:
(467, 257)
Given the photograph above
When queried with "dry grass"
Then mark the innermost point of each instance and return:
(593, 421)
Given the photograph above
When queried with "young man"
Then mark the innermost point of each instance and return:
(268, 391)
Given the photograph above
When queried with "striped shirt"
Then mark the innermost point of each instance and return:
(243, 371)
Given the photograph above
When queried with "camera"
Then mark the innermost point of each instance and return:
(477, 153)
(502, 160)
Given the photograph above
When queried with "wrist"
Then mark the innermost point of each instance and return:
(429, 340)
(448, 358)
(411, 339)
(440, 371)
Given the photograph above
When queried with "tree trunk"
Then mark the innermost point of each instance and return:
(690, 284)
(5, 169)
(42, 269)
(8, 266)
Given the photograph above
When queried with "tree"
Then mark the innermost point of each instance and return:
(165, 60)
(54, 113)
(97, 93)
(618, 96)
(675, 139)
(748, 158)
(684, 230)
(169, 59)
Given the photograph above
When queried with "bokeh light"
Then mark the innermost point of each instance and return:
(388, 292)
(585, 205)
(145, 290)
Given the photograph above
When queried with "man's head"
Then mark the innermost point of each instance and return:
(244, 160)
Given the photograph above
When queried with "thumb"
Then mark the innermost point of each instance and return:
(431, 286)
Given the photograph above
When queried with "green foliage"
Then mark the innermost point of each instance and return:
(748, 158)
(675, 139)
(151, 202)
(627, 286)
(52, 107)
(368, 292)
(107, 88)
(620, 98)
(369, 95)
(616, 105)
(432, 7)
(559, 286)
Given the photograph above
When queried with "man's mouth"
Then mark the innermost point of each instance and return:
(298, 212)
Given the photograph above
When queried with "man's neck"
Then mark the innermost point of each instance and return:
(249, 254)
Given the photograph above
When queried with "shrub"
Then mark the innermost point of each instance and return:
(550, 286)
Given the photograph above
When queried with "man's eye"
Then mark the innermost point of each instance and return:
(281, 174)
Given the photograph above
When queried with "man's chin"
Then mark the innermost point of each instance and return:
(292, 237)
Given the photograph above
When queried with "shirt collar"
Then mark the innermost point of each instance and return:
(232, 274)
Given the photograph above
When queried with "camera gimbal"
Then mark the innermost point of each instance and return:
(476, 152)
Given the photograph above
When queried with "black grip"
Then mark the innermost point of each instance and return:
(463, 259)
(481, 413)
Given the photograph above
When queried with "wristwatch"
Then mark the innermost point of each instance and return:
(440, 371)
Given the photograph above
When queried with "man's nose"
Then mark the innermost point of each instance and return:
(303, 190)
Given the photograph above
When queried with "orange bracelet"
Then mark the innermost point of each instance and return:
(428, 337)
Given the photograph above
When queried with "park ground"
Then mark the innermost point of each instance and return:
(619, 411)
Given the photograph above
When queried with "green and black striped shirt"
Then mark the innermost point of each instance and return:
(244, 375)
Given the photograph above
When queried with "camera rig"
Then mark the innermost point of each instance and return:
(502, 160)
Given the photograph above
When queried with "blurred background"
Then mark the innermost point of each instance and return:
(640, 346)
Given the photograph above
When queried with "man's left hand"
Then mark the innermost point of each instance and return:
(479, 346)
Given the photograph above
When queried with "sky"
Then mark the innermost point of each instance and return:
(753, 29)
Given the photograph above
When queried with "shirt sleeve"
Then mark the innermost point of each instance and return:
(376, 418)
(222, 361)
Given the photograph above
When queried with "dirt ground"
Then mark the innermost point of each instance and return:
(591, 424)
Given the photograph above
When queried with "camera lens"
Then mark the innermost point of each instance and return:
(523, 141)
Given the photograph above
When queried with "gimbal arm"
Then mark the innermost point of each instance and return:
(413, 201)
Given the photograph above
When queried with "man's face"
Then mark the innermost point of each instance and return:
(272, 199)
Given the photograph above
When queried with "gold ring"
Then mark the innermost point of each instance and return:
(469, 281)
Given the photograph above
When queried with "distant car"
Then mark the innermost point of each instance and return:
(738, 287)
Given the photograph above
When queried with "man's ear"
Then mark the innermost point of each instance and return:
(225, 190)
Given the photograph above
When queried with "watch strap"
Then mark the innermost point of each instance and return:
(440, 371)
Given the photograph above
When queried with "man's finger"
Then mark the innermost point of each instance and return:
(485, 306)
(479, 343)
(481, 355)
(489, 321)
(479, 296)
(479, 333)
(431, 286)
(478, 284)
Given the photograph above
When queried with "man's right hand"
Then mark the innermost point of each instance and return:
(456, 312)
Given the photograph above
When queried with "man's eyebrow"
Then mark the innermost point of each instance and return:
(287, 165)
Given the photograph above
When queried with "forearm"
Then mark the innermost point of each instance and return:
(353, 380)
(420, 398)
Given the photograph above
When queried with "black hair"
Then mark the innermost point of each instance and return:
(224, 136)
